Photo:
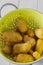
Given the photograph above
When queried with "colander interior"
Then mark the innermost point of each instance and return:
(32, 18)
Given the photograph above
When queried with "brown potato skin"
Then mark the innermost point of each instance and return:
(7, 49)
(30, 33)
(21, 48)
(12, 36)
(24, 58)
(21, 24)
(31, 40)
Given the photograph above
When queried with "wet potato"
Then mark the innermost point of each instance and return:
(25, 38)
(39, 46)
(30, 33)
(39, 33)
(7, 49)
(21, 24)
(31, 40)
(24, 58)
(12, 36)
(22, 48)
(35, 54)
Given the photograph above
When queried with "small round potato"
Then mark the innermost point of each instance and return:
(12, 36)
(24, 58)
(7, 49)
(21, 24)
(21, 48)
(39, 46)
(39, 33)
(30, 33)
(36, 55)
(31, 40)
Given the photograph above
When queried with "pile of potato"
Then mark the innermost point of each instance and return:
(23, 44)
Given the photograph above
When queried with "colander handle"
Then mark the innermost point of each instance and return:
(6, 5)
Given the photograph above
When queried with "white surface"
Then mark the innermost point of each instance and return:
(8, 8)
(34, 4)
(28, 4)
(3, 61)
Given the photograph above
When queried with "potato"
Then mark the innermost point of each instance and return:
(31, 40)
(24, 58)
(36, 55)
(12, 36)
(7, 49)
(21, 48)
(21, 24)
(30, 33)
(25, 38)
(39, 46)
(39, 33)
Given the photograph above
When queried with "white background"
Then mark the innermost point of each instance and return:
(34, 4)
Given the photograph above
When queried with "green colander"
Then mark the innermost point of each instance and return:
(33, 19)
